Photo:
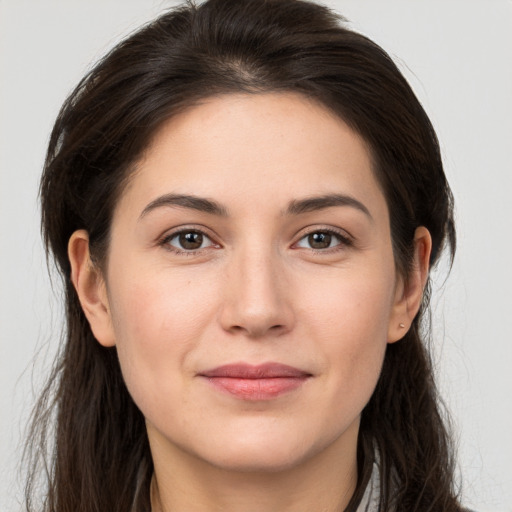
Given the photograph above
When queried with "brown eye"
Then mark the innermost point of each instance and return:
(189, 241)
(323, 239)
(320, 240)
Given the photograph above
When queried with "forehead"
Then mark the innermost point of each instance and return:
(257, 149)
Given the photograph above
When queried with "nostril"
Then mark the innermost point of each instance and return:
(257, 331)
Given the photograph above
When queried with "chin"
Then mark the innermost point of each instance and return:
(262, 460)
(261, 453)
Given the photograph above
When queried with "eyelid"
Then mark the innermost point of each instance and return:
(345, 238)
(170, 234)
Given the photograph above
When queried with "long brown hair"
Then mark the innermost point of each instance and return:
(88, 438)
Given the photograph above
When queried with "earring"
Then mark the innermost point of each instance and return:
(401, 326)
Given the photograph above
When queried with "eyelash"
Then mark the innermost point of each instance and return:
(166, 242)
(344, 241)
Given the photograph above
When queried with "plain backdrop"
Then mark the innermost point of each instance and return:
(457, 55)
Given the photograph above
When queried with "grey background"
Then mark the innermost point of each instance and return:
(457, 54)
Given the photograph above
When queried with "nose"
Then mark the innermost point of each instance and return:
(257, 300)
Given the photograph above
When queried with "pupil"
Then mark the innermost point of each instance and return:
(319, 240)
(191, 240)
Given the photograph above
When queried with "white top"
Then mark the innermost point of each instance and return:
(370, 500)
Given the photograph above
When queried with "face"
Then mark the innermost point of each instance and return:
(250, 283)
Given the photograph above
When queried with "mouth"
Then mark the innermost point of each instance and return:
(261, 382)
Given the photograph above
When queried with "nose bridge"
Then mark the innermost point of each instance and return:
(256, 299)
(258, 278)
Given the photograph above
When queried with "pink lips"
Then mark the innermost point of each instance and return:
(261, 382)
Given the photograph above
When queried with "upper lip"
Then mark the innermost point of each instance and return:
(249, 371)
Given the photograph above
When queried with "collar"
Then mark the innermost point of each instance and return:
(371, 496)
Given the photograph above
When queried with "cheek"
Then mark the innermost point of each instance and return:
(158, 323)
(352, 306)
(349, 322)
(158, 307)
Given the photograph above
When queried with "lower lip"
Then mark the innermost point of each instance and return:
(257, 389)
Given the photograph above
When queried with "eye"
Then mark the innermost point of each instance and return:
(322, 239)
(188, 241)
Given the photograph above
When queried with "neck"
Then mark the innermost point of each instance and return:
(182, 482)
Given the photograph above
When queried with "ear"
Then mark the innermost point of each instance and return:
(409, 292)
(91, 289)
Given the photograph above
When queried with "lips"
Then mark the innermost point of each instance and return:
(261, 382)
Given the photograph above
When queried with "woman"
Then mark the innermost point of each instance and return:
(244, 199)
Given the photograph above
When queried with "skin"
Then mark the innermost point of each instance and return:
(256, 291)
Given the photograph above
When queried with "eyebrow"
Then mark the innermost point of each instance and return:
(311, 204)
(186, 201)
(295, 207)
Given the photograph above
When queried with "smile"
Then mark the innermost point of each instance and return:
(262, 382)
